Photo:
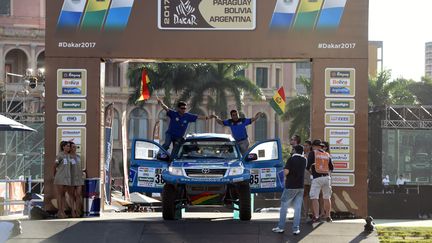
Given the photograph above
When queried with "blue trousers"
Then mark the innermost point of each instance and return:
(292, 197)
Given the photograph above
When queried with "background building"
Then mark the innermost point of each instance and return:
(428, 59)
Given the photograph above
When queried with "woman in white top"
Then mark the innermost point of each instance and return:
(77, 181)
(62, 177)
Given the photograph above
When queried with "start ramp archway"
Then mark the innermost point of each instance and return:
(330, 33)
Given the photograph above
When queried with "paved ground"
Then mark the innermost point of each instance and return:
(194, 227)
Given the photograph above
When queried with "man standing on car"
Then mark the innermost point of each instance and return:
(179, 121)
(294, 188)
(320, 166)
(238, 128)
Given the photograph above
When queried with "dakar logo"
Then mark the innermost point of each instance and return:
(185, 14)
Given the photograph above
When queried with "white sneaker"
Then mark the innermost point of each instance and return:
(278, 230)
(296, 232)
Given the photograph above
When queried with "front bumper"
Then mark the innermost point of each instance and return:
(174, 179)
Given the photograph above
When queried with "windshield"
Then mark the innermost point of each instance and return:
(208, 150)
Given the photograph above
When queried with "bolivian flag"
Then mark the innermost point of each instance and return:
(145, 92)
(278, 102)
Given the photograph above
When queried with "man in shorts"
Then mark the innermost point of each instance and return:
(320, 166)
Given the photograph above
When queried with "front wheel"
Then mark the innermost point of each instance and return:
(168, 202)
(244, 202)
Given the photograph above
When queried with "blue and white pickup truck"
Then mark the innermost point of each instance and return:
(206, 169)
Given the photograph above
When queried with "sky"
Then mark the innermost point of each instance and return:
(404, 26)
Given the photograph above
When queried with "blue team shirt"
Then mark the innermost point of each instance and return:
(238, 129)
(178, 124)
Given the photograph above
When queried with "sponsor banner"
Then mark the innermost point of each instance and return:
(207, 14)
(342, 147)
(337, 104)
(149, 177)
(71, 83)
(339, 119)
(340, 82)
(71, 105)
(263, 178)
(71, 119)
(76, 135)
(343, 179)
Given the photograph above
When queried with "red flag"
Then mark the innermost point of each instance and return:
(145, 92)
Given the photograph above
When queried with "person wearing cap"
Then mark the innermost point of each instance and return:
(293, 192)
(238, 128)
(320, 166)
(179, 121)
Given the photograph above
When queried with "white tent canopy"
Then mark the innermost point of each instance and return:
(7, 124)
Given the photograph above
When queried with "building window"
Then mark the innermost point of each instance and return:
(5, 7)
(278, 75)
(116, 126)
(138, 124)
(261, 129)
(262, 77)
(112, 74)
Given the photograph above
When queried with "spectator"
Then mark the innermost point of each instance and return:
(294, 190)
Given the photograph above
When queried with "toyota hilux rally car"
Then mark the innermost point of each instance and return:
(206, 169)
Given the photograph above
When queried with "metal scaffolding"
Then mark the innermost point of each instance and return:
(408, 117)
(22, 153)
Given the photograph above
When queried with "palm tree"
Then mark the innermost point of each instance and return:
(216, 82)
(298, 111)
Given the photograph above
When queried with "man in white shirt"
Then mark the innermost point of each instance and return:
(386, 183)
(400, 183)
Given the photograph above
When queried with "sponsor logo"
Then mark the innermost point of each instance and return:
(340, 104)
(71, 74)
(340, 90)
(339, 82)
(340, 74)
(334, 148)
(71, 83)
(339, 141)
(71, 105)
(340, 133)
(339, 118)
(340, 157)
(74, 91)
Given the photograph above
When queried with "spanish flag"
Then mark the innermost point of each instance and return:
(278, 102)
(145, 92)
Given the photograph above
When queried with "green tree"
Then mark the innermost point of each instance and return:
(298, 111)
(422, 90)
(384, 92)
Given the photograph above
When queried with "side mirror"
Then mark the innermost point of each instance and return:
(251, 157)
(162, 156)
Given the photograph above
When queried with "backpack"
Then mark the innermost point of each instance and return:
(322, 160)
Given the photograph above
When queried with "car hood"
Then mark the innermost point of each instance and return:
(206, 163)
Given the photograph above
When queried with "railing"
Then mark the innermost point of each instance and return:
(9, 199)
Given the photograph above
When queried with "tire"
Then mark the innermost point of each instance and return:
(168, 202)
(244, 201)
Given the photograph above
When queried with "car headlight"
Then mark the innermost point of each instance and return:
(236, 171)
(175, 170)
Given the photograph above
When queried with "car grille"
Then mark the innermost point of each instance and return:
(211, 173)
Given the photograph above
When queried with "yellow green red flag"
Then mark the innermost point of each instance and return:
(279, 101)
(145, 92)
